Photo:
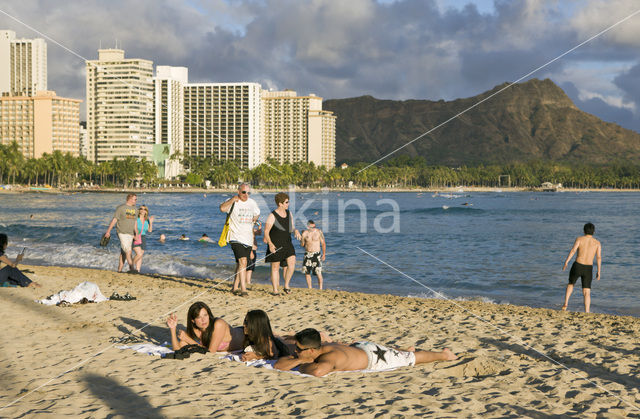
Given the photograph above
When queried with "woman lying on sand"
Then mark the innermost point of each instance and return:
(203, 329)
(259, 341)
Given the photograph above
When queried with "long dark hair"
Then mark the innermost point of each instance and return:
(194, 311)
(259, 335)
(3, 240)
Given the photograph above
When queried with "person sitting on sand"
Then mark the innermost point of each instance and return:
(203, 329)
(318, 359)
(259, 340)
(10, 274)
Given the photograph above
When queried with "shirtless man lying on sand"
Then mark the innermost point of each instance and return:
(319, 359)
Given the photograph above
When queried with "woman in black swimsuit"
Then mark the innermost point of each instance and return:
(259, 337)
(277, 236)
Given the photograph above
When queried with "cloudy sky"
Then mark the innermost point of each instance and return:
(390, 49)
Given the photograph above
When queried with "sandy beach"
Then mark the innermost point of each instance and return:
(495, 376)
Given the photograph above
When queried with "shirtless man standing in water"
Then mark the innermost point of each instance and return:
(312, 240)
(587, 247)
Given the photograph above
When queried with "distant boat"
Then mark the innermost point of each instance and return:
(550, 187)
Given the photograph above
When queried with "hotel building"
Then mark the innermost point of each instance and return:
(169, 118)
(295, 128)
(42, 123)
(120, 107)
(222, 120)
(23, 65)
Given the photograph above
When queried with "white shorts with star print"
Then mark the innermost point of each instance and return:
(382, 358)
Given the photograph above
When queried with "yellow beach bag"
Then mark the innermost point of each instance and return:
(224, 236)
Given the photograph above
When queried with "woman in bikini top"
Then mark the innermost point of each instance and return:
(203, 329)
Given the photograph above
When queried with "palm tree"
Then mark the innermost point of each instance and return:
(14, 160)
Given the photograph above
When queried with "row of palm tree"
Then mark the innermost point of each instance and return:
(63, 169)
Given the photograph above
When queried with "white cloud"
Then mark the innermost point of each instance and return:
(397, 49)
(596, 15)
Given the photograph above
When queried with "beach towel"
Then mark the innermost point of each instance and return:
(87, 290)
(148, 348)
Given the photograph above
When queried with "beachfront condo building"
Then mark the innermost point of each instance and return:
(169, 118)
(322, 138)
(42, 123)
(222, 120)
(295, 128)
(120, 107)
(23, 65)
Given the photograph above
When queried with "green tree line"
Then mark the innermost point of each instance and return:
(64, 170)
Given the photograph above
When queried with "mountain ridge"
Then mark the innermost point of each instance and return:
(527, 121)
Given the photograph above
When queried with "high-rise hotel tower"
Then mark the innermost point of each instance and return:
(120, 107)
(295, 128)
(23, 65)
(169, 122)
(222, 120)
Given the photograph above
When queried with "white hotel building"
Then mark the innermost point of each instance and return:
(23, 65)
(169, 117)
(120, 107)
(132, 113)
(222, 120)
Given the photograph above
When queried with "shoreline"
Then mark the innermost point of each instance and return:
(456, 189)
(265, 285)
(496, 374)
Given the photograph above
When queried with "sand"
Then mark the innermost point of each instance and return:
(495, 376)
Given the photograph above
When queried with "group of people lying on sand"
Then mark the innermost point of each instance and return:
(311, 351)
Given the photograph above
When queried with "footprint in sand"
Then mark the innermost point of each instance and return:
(471, 367)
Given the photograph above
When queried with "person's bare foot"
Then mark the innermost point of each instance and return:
(564, 308)
(448, 355)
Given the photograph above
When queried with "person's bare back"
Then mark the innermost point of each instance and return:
(342, 357)
(587, 246)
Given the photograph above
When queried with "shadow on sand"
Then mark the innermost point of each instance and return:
(593, 371)
(123, 401)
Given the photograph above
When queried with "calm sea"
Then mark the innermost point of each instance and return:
(497, 247)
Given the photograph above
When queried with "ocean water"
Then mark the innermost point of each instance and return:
(499, 247)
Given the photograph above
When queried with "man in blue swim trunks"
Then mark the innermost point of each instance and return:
(319, 359)
(588, 248)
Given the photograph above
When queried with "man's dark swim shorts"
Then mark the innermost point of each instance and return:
(584, 272)
(241, 251)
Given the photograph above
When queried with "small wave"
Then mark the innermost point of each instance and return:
(86, 256)
(443, 296)
(448, 208)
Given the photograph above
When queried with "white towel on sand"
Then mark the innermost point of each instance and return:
(148, 348)
(87, 290)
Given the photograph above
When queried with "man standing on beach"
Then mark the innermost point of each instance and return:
(312, 240)
(587, 247)
(318, 359)
(244, 212)
(125, 221)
